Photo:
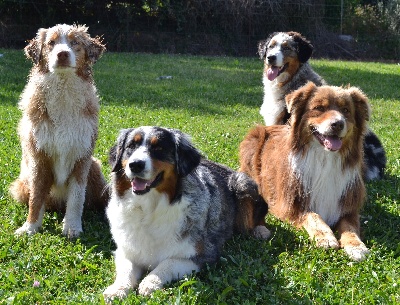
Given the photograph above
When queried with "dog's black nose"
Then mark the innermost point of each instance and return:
(63, 55)
(337, 125)
(271, 58)
(137, 166)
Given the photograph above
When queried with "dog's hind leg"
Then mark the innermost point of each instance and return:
(97, 191)
(251, 207)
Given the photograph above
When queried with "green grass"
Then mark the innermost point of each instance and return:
(215, 100)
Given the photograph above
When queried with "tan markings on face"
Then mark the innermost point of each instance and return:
(48, 45)
(346, 108)
(293, 66)
(328, 101)
(122, 183)
(319, 104)
(325, 113)
(52, 38)
(154, 141)
(170, 178)
(137, 138)
(272, 43)
(124, 163)
(286, 46)
(78, 41)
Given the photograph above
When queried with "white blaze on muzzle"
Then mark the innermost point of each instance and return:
(62, 55)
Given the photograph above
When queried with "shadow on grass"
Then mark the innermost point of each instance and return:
(379, 223)
(247, 272)
(96, 230)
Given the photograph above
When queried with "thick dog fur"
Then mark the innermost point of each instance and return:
(58, 129)
(310, 171)
(172, 210)
(286, 69)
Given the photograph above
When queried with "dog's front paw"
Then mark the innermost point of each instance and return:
(261, 232)
(115, 291)
(28, 228)
(357, 253)
(327, 242)
(149, 284)
(71, 231)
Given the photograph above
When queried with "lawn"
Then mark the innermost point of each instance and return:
(216, 100)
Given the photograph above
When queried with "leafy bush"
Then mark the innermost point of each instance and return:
(376, 29)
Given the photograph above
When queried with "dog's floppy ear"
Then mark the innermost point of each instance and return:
(187, 157)
(263, 44)
(296, 101)
(117, 150)
(304, 47)
(93, 46)
(95, 49)
(362, 107)
(262, 48)
(33, 50)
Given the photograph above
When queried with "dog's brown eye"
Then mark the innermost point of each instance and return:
(51, 43)
(345, 110)
(319, 108)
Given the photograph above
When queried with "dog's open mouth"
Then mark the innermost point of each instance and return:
(330, 142)
(274, 71)
(142, 186)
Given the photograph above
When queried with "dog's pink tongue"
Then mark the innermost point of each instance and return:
(272, 73)
(139, 184)
(332, 143)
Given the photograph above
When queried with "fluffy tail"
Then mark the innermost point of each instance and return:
(374, 157)
(19, 190)
(97, 190)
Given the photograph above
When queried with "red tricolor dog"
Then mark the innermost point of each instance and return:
(286, 68)
(310, 171)
(58, 129)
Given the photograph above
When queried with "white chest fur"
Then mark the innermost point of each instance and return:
(272, 103)
(324, 180)
(67, 135)
(147, 227)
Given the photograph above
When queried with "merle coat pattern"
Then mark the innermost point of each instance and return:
(171, 210)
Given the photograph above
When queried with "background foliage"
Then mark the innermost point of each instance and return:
(215, 27)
